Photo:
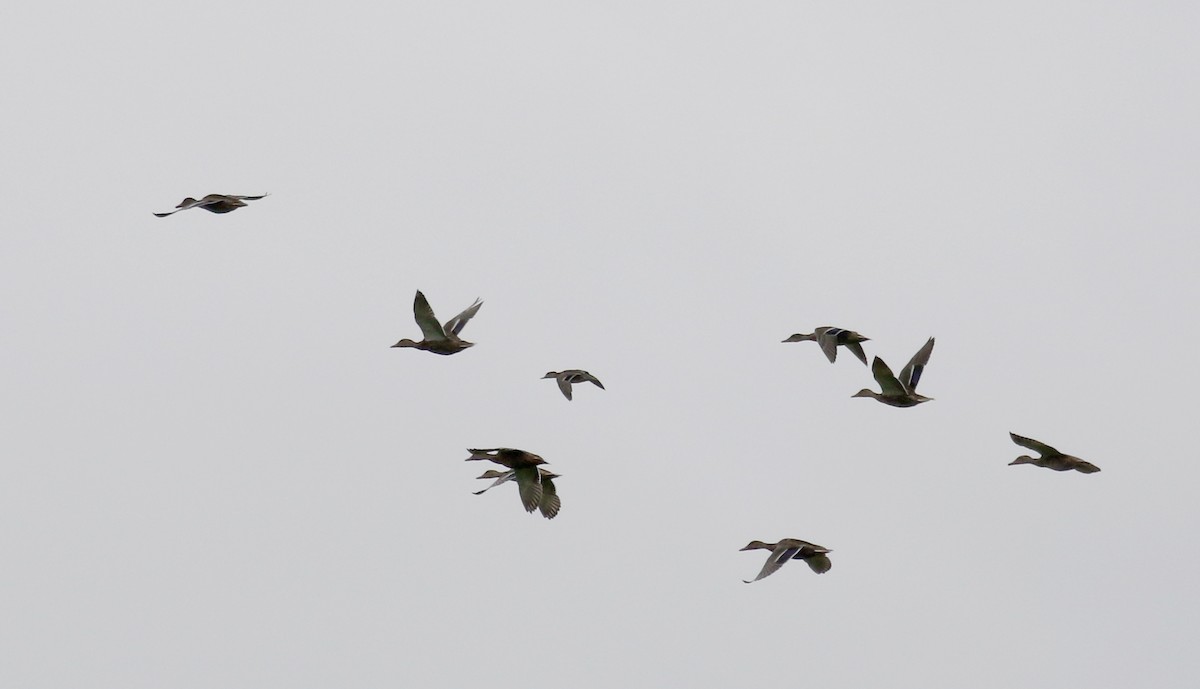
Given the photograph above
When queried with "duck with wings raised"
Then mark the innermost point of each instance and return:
(435, 337)
(902, 391)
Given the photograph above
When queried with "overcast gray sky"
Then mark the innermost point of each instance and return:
(217, 474)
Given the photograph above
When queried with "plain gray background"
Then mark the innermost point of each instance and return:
(216, 473)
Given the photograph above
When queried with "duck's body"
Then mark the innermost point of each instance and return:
(829, 338)
(213, 203)
(534, 484)
(1050, 458)
(438, 338)
(791, 548)
(902, 391)
(571, 376)
(507, 457)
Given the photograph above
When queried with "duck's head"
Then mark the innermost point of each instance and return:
(757, 545)
(799, 337)
(406, 343)
(865, 393)
(551, 374)
(1023, 459)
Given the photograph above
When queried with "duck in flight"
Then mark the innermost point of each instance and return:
(549, 504)
(213, 203)
(525, 469)
(791, 549)
(438, 338)
(571, 376)
(830, 338)
(1049, 457)
(902, 391)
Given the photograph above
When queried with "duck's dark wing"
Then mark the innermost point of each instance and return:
(1038, 447)
(550, 503)
(455, 325)
(818, 563)
(856, 349)
(184, 205)
(827, 338)
(431, 330)
(910, 375)
(886, 379)
(529, 484)
(774, 561)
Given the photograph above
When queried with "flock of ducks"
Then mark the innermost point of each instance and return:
(535, 483)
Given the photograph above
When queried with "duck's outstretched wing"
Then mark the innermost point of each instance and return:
(774, 561)
(818, 563)
(503, 478)
(827, 338)
(856, 349)
(529, 484)
(910, 375)
(455, 325)
(431, 330)
(886, 379)
(564, 384)
(1038, 447)
(550, 503)
(184, 205)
